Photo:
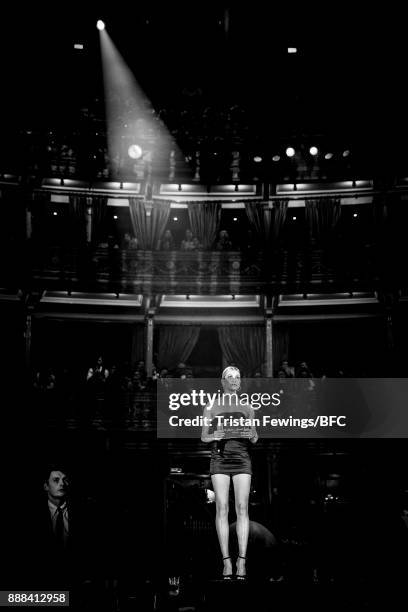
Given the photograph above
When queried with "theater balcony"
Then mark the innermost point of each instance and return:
(201, 272)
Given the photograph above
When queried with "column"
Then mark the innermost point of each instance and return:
(149, 342)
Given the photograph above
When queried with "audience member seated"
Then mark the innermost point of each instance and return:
(112, 243)
(167, 242)
(190, 243)
(224, 243)
(138, 382)
(98, 372)
(141, 368)
(126, 240)
(197, 244)
(303, 370)
(180, 370)
(287, 369)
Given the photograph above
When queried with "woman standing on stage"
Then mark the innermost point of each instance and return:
(230, 458)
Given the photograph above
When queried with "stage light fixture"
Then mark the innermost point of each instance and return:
(313, 151)
(235, 219)
(290, 151)
(292, 50)
(175, 218)
(100, 24)
(346, 153)
(355, 215)
(328, 156)
(257, 159)
(55, 214)
(115, 216)
(135, 152)
(294, 218)
(276, 158)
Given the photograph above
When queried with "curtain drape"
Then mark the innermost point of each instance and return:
(243, 346)
(205, 221)
(138, 344)
(280, 344)
(385, 207)
(99, 218)
(267, 222)
(176, 343)
(148, 228)
(77, 219)
(322, 216)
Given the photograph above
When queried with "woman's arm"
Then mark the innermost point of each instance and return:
(205, 435)
(254, 437)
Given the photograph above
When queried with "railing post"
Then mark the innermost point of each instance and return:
(89, 219)
(27, 342)
(269, 343)
(28, 219)
(149, 341)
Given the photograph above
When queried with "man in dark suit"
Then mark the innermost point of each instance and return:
(51, 533)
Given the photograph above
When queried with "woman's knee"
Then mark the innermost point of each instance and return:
(241, 508)
(222, 509)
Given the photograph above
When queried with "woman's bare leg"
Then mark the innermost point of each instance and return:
(242, 486)
(221, 484)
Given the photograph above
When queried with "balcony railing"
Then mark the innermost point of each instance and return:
(200, 272)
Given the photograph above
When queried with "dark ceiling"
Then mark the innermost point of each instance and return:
(346, 81)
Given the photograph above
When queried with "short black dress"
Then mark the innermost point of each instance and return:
(231, 456)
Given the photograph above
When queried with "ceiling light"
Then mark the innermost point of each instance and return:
(328, 156)
(257, 159)
(313, 150)
(276, 158)
(290, 151)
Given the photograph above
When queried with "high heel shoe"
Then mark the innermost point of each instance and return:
(241, 578)
(226, 577)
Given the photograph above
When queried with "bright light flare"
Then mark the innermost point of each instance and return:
(313, 151)
(135, 152)
(100, 24)
(290, 151)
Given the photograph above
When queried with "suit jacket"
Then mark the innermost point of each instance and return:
(36, 560)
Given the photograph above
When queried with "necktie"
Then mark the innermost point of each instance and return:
(59, 528)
